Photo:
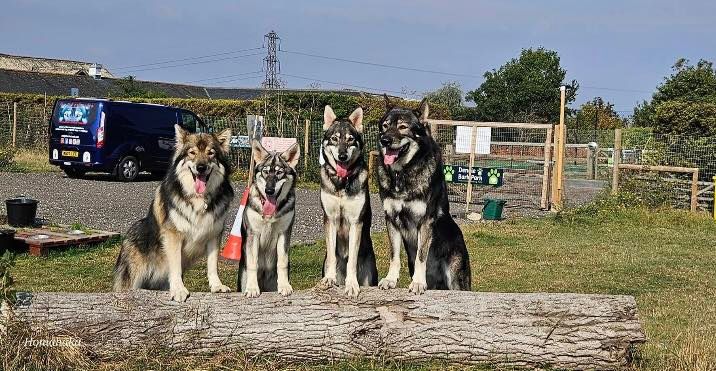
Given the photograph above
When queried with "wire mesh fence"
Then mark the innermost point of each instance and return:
(509, 163)
(520, 157)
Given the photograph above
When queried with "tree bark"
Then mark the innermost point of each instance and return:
(574, 331)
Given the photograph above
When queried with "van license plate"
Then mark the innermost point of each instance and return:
(70, 154)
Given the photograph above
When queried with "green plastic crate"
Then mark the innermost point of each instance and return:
(493, 209)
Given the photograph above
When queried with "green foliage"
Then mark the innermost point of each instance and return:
(7, 156)
(684, 103)
(449, 95)
(129, 87)
(7, 261)
(525, 89)
(597, 111)
(688, 118)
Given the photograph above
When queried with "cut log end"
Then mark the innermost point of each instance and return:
(575, 331)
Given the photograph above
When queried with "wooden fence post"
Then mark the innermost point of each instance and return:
(560, 143)
(695, 191)
(714, 179)
(617, 159)
(468, 197)
(14, 124)
(544, 202)
(306, 139)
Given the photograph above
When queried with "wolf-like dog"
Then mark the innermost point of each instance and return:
(414, 194)
(268, 222)
(345, 200)
(184, 222)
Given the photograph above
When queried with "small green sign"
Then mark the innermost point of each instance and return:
(479, 175)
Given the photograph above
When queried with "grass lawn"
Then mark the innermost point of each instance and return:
(666, 259)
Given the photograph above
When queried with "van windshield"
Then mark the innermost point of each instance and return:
(74, 116)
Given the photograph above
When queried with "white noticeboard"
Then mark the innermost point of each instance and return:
(463, 140)
(277, 144)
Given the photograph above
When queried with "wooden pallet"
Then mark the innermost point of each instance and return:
(57, 238)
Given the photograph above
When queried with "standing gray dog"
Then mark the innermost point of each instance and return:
(345, 200)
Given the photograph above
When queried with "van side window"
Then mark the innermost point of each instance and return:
(189, 121)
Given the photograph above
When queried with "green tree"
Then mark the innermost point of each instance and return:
(450, 95)
(596, 113)
(684, 102)
(524, 89)
(130, 87)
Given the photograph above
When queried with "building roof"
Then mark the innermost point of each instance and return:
(48, 65)
(13, 81)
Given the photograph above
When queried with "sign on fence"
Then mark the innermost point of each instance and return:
(277, 144)
(480, 175)
(463, 139)
(240, 141)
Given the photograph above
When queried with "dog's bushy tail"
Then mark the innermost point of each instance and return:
(122, 275)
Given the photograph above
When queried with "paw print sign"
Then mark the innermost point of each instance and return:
(449, 173)
(494, 177)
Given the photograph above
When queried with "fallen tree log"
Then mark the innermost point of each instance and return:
(575, 331)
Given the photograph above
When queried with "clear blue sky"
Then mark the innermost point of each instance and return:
(626, 45)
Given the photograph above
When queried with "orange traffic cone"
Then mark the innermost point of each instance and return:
(232, 249)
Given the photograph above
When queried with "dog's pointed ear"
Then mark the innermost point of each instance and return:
(291, 155)
(356, 119)
(224, 139)
(328, 117)
(258, 151)
(180, 135)
(424, 110)
(388, 103)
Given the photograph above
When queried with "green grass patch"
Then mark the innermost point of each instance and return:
(665, 258)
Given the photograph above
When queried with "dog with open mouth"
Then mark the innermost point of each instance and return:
(417, 212)
(345, 200)
(268, 222)
(184, 222)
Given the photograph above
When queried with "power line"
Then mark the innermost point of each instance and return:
(193, 63)
(349, 85)
(239, 79)
(614, 89)
(223, 77)
(188, 59)
(381, 65)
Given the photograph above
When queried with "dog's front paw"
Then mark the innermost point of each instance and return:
(387, 283)
(285, 289)
(417, 288)
(220, 288)
(179, 294)
(327, 282)
(352, 288)
(252, 291)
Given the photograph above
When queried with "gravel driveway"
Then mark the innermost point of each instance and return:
(100, 202)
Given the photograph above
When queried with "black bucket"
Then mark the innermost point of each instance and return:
(7, 239)
(21, 211)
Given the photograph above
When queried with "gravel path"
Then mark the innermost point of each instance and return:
(102, 203)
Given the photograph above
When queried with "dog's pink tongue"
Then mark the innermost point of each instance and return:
(390, 156)
(341, 170)
(200, 184)
(269, 206)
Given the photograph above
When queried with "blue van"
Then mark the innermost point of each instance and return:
(122, 138)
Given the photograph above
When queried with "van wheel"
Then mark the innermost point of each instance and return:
(73, 173)
(127, 169)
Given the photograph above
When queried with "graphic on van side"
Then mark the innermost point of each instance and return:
(75, 113)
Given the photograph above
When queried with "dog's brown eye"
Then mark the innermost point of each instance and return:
(402, 127)
(350, 139)
(385, 125)
(212, 152)
(192, 152)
